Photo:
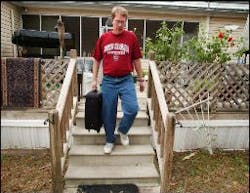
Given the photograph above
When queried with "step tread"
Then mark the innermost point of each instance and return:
(140, 97)
(140, 115)
(142, 107)
(111, 172)
(144, 130)
(118, 150)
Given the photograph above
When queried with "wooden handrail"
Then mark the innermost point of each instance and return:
(66, 87)
(59, 119)
(159, 91)
(164, 126)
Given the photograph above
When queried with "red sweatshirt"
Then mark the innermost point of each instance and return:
(117, 52)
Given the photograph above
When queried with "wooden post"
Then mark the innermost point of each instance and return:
(151, 55)
(162, 139)
(153, 98)
(150, 82)
(55, 140)
(168, 152)
(158, 125)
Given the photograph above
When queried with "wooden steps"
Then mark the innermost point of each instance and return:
(135, 163)
(137, 174)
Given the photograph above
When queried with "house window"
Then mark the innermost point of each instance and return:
(31, 22)
(107, 21)
(151, 28)
(72, 25)
(106, 24)
(90, 34)
(191, 30)
(48, 24)
(137, 27)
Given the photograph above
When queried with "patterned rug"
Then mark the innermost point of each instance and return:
(108, 188)
(20, 85)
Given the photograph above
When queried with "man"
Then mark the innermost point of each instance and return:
(120, 53)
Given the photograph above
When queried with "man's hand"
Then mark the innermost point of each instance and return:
(137, 64)
(94, 85)
(142, 86)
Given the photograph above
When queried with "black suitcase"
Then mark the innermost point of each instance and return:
(93, 111)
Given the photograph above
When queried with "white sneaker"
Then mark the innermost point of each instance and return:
(124, 138)
(108, 147)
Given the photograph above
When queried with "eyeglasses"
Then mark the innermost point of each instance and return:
(119, 22)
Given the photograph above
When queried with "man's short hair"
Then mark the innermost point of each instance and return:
(119, 10)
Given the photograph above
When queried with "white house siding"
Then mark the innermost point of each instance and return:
(10, 21)
(24, 134)
(226, 134)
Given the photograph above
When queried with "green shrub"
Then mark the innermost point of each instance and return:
(167, 43)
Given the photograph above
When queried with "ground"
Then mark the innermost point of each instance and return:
(25, 171)
(225, 171)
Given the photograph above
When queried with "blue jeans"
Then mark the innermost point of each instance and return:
(112, 88)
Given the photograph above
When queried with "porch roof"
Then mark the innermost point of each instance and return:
(189, 6)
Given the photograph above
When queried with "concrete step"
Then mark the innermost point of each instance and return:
(137, 135)
(141, 101)
(141, 119)
(137, 174)
(93, 155)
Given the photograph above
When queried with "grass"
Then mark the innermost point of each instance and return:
(225, 171)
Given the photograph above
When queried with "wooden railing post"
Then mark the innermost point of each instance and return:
(55, 148)
(151, 55)
(150, 82)
(168, 152)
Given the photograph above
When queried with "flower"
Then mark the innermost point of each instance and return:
(214, 49)
(221, 35)
(230, 38)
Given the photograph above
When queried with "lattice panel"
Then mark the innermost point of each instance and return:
(52, 75)
(234, 87)
(187, 83)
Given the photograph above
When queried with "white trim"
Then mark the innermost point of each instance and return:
(216, 123)
(144, 37)
(80, 36)
(225, 134)
(40, 22)
(31, 134)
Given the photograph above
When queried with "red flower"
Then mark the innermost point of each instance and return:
(230, 39)
(221, 35)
